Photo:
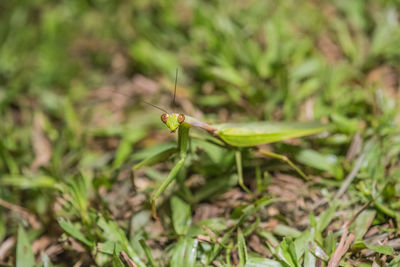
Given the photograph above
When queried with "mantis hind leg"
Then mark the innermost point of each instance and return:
(239, 167)
(284, 159)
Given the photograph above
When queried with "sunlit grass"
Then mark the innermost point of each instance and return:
(73, 77)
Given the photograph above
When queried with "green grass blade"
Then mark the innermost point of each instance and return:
(147, 251)
(25, 257)
(75, 232)
(181, 215)
(242, 248)
(262, 262)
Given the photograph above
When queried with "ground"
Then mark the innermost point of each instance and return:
(74, 79)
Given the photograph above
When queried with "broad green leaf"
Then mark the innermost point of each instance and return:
(218, 185)
(284, 230)
(126, 145)
(270, 237)
(71, 118)
(242, 248)
(213, 100)
(306, 69)
(395, 261)
(74, 231)
(261, 262)
(320, 161)
(387, 250)
(301, 243)
(344, 124)
(149, 55)
(362, 223)
(317, 251)
(25, 257)
(229, 75)
(3, 227)
(214, 224)
(287, 252)
(181, 215)
(109, 247)
(309, 259)
(329, 243)
(325, 218)
(216, 153)
(29, 182)
(185, 252)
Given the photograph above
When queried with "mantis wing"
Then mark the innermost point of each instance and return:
(257, 133)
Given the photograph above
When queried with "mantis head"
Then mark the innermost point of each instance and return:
(172, 120)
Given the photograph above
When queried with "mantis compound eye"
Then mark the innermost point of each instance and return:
(164, 118)
(181, 118)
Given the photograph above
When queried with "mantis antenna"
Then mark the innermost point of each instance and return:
(154, 106)
(176, 81)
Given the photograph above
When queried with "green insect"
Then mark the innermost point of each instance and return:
(233, 136)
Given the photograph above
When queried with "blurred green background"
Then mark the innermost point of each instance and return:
(73, 78)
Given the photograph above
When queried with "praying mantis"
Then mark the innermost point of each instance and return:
(233, 136)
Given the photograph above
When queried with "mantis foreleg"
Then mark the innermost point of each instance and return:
(183, 145)
(152, 160)
(171, 176)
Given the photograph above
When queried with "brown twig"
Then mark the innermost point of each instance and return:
(127, 259)
(349, 179)
(346, 239)
(344, 244)
(346, 183)
(25, 213)
(6, 246)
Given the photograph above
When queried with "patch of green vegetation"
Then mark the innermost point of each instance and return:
(73, 78)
